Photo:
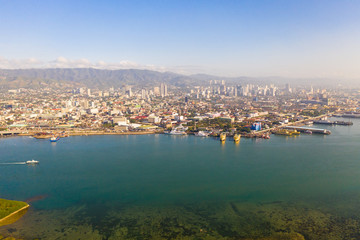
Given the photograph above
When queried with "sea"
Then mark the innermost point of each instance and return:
(185, 187)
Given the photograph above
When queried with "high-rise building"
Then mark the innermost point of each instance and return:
(156, 91)
(163, 90)
(288, 88)
(129, 92)
(144, 94)
(84, 104)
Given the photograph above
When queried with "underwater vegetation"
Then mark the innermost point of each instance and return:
(230, 221)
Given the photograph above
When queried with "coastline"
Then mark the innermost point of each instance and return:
(89, 133)
(9, 218)
(41, 135)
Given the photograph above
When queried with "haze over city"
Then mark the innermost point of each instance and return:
(305, 39)
(180, 120)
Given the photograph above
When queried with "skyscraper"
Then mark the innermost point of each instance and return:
(163, 90)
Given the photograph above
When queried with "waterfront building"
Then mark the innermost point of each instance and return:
(256, 126)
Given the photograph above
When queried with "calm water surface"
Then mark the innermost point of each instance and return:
(185, 187)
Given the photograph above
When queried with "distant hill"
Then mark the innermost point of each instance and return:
(89, 77)
(98, 78)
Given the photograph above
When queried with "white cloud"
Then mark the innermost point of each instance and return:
(62, 62)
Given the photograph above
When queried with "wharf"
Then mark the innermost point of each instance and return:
(313, 130)
(9, 133)
(300, 122)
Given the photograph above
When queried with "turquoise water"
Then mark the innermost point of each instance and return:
(185, 187)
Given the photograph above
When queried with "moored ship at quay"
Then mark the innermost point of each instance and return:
(237, 138)
(202, 134)
(222, 137)
(286, 132)
(328, 122)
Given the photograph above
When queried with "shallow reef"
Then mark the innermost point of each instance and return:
(230, 221)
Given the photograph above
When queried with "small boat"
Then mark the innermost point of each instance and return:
(180, 130)
(308, 131)
(201, 134)
(32, 162)
(54, 139)
(237, 138)
(176, 132)
(265, 136)
(223, 137)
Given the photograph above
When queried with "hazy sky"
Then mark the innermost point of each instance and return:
(318, 38)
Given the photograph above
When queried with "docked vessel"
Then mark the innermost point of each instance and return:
(325, 122)
(343, 123)
(54, 139)
(295, 132)
(287, 132)
(32, 162)
(201, 134)
(222, 137)
(177, 131)
(265, 136)
(237, 138)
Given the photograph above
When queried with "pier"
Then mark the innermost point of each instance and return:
(313, 130)
(9, 133)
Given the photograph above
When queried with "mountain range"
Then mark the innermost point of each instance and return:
(99, 78)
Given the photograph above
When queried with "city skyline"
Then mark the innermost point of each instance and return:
(235, 38)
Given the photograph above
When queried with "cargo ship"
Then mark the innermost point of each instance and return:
(287, 132)
(327, 122)
(223, 137)
(237, 138)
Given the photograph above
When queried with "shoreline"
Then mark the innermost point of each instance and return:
(91, 133)
(4, 219)
(98, 133)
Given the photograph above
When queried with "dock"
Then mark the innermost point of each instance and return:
(313, 130)
(9, 133)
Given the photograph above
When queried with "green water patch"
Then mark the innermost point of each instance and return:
(230, 221)
(8, 207)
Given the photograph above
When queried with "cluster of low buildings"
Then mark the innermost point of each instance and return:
(134, 108)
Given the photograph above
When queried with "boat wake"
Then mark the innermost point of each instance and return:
(13, 163)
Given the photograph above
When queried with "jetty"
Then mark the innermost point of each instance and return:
(9, 133)
(305, 129)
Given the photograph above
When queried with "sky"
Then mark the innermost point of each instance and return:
(255, 38)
